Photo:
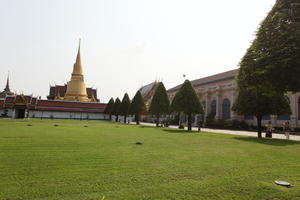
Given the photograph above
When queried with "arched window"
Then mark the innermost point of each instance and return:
(213, 107)
(226, 109)
(299, 108)
(285, 117)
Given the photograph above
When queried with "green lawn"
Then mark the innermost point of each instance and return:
(102, 161)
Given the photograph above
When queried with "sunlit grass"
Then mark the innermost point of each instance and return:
(68, 159)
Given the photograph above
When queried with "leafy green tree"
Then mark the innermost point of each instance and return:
(187, 101)
(124, 107)
(275, 51)
(160, 103)
(116, 109)
(109, 107)
(137, 106)
(255, 102)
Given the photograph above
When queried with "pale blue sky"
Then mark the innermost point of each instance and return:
(125, 43)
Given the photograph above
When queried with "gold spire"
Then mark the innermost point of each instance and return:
(76, 90)
(77, 68)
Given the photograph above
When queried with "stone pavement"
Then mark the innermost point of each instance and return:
(233, 132)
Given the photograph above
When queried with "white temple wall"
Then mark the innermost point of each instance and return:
(67, 115)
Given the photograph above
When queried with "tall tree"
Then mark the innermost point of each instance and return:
(116, 109)
(187, 101)
(124, 107)
(276, 49)
(137, 106)
(253, 101)
(160, 103)
(109, 107)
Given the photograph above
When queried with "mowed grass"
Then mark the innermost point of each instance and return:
(102, 161)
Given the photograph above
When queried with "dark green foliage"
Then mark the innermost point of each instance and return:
(270, 66)
(212, 122)
(275, 52)
(109, 107)
(116, 109)
(253, 101)
(160, 103)
(124, 107)
(187, 101)
(137, 106)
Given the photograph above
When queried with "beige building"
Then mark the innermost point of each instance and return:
(218, 92)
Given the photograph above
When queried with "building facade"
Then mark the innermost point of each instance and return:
(218, 92)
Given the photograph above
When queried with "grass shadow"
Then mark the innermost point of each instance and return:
(145, 126)
(267, 141)
(178, 131)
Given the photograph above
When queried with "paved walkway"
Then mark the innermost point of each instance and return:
(234, 132)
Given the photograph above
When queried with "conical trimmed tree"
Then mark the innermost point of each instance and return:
(187, 101)
(160, 103)
(109, 107)
(116, 109)
(137, 106)
(124, 108)
(276, 49)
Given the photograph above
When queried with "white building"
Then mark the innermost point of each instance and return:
(218, 92)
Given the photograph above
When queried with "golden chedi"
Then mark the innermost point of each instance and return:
(76, 90)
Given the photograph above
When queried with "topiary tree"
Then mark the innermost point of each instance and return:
(187, 101)
(116, 109)
(137, 106)
(124, 107)
(109, 107)
(275, 51)
(160, 103)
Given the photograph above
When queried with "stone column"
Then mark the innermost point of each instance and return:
(232, 99)
(293, 102)
(206, 105)
(273, 120)
(206, 111)
(219, 104)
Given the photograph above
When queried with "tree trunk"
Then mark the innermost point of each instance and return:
(110, 117)
(117, 118)
(125, 118)
(157, 120)
(259, 118)
(137, 118)
(189, 122)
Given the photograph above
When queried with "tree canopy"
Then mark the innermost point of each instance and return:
(109, 107)
(116, 108)
(160, 103)
(137, 106)
(252, 101)
(124, 107)
(275, 51)
(187, 101)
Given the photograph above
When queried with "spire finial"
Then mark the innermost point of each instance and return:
(7, 89)
(77, 69)
(79, 45)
